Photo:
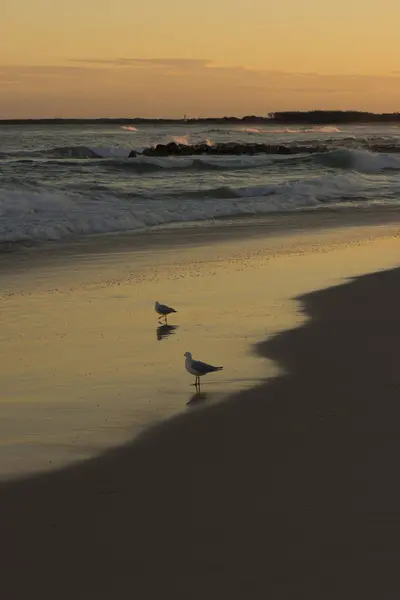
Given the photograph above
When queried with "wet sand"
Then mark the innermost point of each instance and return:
(85, 365)
(286, 489)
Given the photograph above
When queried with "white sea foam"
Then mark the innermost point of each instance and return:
(271, 130)
(181, 139)
(327, 129)
(31, 215)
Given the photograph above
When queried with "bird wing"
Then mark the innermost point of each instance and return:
(202, 367)
(163, 308)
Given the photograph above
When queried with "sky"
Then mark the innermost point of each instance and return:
(167, 58)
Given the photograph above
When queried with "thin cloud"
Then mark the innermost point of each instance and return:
(22, 71)
(146, 62)
(186, 84)
(320, 90)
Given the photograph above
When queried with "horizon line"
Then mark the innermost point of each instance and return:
(313, 116)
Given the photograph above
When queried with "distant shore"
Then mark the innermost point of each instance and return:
(315, 117)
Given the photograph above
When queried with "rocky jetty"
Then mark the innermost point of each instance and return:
(240, 148)
(230, 148)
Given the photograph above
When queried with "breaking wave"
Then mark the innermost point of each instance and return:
(31, 214)
(270, 130)
(357, 159)
(362, 161)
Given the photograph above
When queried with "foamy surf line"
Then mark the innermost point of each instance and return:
(34, 215)
(175, 236)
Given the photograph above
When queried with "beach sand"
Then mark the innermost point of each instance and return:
(278, 481)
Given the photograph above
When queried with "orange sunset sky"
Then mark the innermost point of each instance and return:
(91, 58)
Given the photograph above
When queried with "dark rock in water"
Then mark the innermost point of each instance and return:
(173, 148)
(159, 150)
(232, 148)
(132, 154)
(205, 149)
(389, 148)
(186, 150)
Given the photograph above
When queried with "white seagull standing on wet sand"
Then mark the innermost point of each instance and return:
(163, 310)
(198, 368)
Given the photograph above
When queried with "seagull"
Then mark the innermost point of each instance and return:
(163, 310)
(198, 368)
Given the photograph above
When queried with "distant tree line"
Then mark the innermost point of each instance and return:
(323, 117)
(312, 117)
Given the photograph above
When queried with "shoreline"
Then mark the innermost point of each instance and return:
(86, 366)
(203, 233)
(285, 489)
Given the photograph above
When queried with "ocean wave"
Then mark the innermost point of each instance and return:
(315, 189)
(181, 146)
(199, 163)
(86, 152)
(362, 161)
(359, 160)
(49, 216)
(69, 152)
(36, 215)
(271, 130)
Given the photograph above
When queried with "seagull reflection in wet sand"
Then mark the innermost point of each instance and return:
(163, 331)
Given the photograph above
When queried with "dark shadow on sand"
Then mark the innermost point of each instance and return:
(286, 491)
(197, 399)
